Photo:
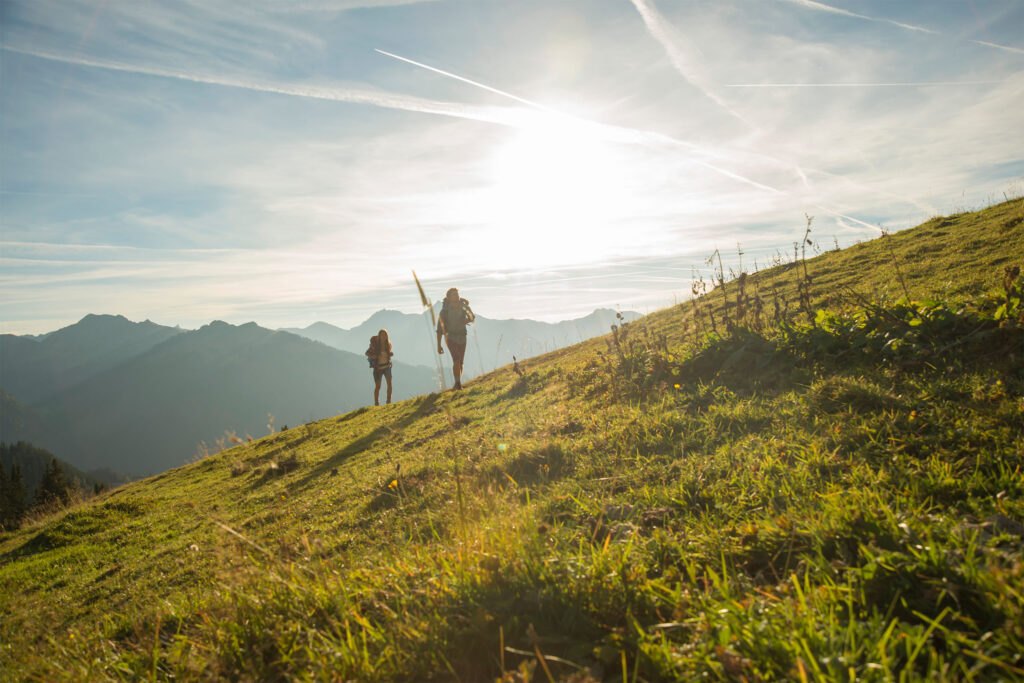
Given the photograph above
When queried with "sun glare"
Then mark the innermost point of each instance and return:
(557, 195)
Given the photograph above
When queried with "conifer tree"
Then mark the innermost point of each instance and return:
(54, 489)
(3, 494)
(14, 498)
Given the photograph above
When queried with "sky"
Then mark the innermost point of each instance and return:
(290, 162)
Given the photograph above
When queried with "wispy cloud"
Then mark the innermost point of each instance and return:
(685, 56)
(822, 7)
(336, 5)
(1007, 48)
(312, 91)
(908, 84)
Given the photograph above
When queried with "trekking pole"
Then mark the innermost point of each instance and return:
(479, 356)
(438, 362)
(433, 326)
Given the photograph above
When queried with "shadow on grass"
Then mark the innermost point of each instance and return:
(423, 406)
(74, 526)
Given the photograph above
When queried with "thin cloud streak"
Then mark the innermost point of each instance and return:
(449, 74)
(338, 5)
(681, 53)
(7, 244)
(849, 218)
(1016, 50)
(811, 4)
(354, 96)
(908, 84)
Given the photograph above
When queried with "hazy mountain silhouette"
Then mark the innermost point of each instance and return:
(19, 423)
(150, 412)
(32, 368)
(492, 343)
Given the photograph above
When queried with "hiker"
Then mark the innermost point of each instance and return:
(451, 324)
(380, 354)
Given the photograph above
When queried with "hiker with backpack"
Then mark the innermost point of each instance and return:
(380, 355)
(451, 324)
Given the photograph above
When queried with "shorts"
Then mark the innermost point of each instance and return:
(458, 350)
(385, 372)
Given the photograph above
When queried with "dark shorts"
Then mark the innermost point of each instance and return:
(457, 349)
(377, 374)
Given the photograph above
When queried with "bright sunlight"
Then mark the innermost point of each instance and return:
(557, 196)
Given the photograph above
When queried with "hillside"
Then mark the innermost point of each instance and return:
(805, 495)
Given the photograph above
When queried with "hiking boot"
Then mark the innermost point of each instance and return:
(458, 385)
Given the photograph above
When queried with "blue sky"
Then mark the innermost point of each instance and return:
(287, 162)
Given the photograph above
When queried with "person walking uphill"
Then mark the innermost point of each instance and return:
(451, 324)
(380, 355)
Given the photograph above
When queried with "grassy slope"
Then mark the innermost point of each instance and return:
(845, 517)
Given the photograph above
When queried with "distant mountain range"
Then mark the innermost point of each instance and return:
(140, 398)
(492, 343)
(32, 368)
(188, 387)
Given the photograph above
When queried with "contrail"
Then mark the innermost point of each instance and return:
(843, 215)
(449, 74)
(338, 5)
(999, 47)
(909, 84)
(355, 96)
(811, 4)
(685, 57)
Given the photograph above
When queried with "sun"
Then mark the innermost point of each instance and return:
(556, 196)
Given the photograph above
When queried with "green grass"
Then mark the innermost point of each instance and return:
(814, 497)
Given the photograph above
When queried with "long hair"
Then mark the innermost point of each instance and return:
(384, 341)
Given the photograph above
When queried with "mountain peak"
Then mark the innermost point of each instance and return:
(384, 315)
(103, 316)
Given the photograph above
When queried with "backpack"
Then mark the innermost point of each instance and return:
(374, 349)
(463, 311)
(371, 351)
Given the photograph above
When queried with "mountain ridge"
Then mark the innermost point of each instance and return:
(31, 369)
(197, 386)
